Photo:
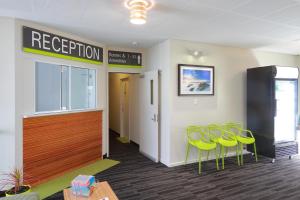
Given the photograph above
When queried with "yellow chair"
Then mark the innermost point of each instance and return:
(199, 138)
(244, 137)
(225, 139)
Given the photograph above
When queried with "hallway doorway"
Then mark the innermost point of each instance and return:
(123, 107)
(134, 111)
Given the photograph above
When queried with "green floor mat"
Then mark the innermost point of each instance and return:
(53, 186)
(123, 139)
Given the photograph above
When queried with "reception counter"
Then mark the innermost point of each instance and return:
(54, 144)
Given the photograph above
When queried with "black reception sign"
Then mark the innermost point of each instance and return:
(48, 44)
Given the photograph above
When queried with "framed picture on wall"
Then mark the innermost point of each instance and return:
(195, 80)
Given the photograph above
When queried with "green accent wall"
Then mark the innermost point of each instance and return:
(56, 55)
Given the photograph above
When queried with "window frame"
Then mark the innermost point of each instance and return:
(69, 92)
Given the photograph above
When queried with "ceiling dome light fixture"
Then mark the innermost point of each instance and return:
(138, 10)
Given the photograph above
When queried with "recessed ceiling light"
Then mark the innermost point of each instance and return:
(138, 10)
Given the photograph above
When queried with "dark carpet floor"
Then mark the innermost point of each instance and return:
(138, 178)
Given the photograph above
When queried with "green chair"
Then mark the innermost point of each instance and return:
(225, 139)
(199, 138)
(244, 137)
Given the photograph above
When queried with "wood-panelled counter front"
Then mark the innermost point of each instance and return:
(55, 144)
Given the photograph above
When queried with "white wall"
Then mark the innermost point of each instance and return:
(228, 103)
(7, 91)
(134, 115)
(268, 58)
(158, 58)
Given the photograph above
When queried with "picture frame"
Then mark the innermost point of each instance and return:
(195, 80)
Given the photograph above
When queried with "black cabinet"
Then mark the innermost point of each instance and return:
(272, 109)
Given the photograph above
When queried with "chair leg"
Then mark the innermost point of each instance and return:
(222, 149)
(199, 152)
(237, 154)
(187, 152)
(217, 159)
(207, 155)
(254, 147)
(241, 151)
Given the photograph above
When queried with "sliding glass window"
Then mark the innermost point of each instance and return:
(60, 88)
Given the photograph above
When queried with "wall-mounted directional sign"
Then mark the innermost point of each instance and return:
(124, 59)
(48, 44)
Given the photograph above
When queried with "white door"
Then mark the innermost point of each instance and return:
(149, 107)
(124, 108)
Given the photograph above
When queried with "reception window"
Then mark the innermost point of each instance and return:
(60, 88)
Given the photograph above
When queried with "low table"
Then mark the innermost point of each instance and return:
(101, 190)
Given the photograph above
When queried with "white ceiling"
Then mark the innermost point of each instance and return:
(272, 25)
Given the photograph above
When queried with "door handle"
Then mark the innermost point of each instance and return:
(154, 118)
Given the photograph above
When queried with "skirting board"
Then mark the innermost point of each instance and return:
(148, 156)
(229, 154)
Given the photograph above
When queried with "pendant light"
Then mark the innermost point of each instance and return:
(138, 10)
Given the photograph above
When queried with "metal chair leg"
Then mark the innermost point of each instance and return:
(199, 152)
(254, 147)
(187, 152)
(242, 157)
(238, 155)
(222, 149)
(217, 159)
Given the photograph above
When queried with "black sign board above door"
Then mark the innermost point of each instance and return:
(48, 44)
(124, 59)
